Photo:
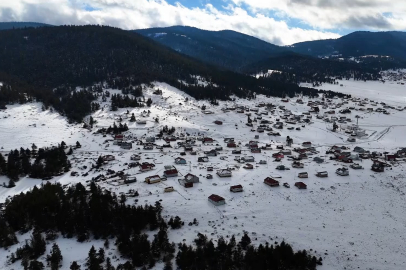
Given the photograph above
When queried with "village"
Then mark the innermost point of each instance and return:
(299, 168)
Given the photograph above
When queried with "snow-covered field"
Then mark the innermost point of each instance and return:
(352, 222)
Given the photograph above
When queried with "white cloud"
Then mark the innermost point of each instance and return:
(333, 14)
(135, 14)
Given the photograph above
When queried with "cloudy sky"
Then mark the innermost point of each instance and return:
(281, 22)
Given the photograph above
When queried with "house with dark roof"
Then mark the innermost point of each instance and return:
(271, 182)
(216, 200)
(236, 188)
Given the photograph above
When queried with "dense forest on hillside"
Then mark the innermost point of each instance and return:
(48, 63)
(37, 163)
(226, 49)
(302, 68)
(52, 211)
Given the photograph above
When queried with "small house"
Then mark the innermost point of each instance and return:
(231, 145)
(146, 167)
(209, 169)
(171, 172)
(191, 178)
(342, 171)
(237, 188)
(152, 179)
(211, 153)
(135, 157)
(236, 152)
(322, 174)
(126, 145)
(307, 144)
(248, 159)
(185, 183)
(216, 200)
(300, 185)
(303, 175)
(107, 158)
(286, 152)
(224, 173)
(169, 189)
(271, 182)
(202, 159)
(378, 166)
(180, 160)
(390, 157)
(119, 137)
(207, 140)
(248, 166)
(150, 139)
(255, 150)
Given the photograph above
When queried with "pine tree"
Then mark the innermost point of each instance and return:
(36, 265)
(78, 145)
(92, 261)
(74, 266)
(38, 244)
(55, 258)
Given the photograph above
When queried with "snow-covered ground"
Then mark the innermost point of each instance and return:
(352, 222)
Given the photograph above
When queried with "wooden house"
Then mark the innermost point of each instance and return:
(191, 178)
(300, 185)
(231, 145)
(153, 179)
(126, 145)
(236, 188)
(146, 167)
(390, 157)
(378, 166)
(271, 182)
(180, 160)
(202, 159)
(169, 189)
(303, 175)
(173, 172)
(185, 183)
(224, 173)
(216, 200)
(322, 174)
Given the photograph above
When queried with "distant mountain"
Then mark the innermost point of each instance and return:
(16, 25)
(356, 44)
(227, 49)
(49, 62)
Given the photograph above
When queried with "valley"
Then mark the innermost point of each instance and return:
(352, 222)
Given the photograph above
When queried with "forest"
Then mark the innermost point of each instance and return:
(51, 211)
(37, 163)
(47, 64)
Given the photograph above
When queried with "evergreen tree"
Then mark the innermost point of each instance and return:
(36, 265)
(55, 258)
(74, 266)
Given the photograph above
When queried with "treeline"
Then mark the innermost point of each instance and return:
(49, 63)
(37, 163)
(92, 213)
(124, 101)
(242, 255)
(299, 68)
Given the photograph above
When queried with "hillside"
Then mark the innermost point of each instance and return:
(38, 60)
(16, 25)
(227, 49)
(357, 44)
